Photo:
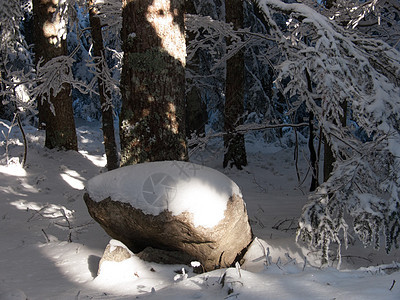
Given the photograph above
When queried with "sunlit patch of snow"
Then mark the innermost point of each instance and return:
(28, 188)
(70, 258)
(24, 205)
(97, 160)
(73, 182)
(73, 178)
(13, 170)
(138, 277)
(46, 211)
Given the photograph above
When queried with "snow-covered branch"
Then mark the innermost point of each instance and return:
(110, 85)
(349, 72)
(53, 75)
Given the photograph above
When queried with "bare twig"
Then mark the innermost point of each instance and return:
(24, 139)
(281, 222)
(46, 236)
(253, 127)
(393, 283)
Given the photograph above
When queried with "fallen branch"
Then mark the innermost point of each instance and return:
(24, 138)
(393, 283)
(46, 236)
(199, 141)
(252, 127)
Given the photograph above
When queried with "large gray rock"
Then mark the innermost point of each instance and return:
(214, 246)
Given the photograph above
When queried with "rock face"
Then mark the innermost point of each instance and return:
(116, 252)
(215, 246)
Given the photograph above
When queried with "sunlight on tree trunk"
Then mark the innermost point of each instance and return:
(50, 42)
(153, 81)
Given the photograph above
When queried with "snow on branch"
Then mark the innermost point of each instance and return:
(356, 78)
(211, 34)
(53, 75)
(110, 13)
(99, 68)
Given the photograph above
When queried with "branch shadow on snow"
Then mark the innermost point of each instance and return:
(47, 235)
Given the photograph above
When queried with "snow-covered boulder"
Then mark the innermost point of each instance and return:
(172, 205)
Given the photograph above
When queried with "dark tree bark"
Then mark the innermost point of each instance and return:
(235, 151)
(329, 158)
(313, 154)
(196, 109)
(153, 81)
(49, 43)
(110, 145)
(2, 108)
(329, 3)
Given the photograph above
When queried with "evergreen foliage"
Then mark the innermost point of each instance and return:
(345, 67)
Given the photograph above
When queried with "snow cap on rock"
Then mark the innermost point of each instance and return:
(175, 186)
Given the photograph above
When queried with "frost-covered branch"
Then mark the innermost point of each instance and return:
(110, 84)
(347, 69)
(211, 34)
(51, 77)
(110, 13)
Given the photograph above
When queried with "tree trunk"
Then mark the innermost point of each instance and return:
(235, 151)
(313, 155)
(196, 109)
(329, 3)
(153, 81)
(2, 88)
(50, 42)
(110, 145)
(329, 158)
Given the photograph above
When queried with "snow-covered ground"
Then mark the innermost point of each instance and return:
(50, 247)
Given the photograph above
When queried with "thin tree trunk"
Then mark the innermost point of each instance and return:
(50, 42)
(153, 81)
(110, 145)
(313, 155)
(235, 151)
(329, 158)
(196, 109)
(2, 108)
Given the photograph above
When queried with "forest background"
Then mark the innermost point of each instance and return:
(327, 72)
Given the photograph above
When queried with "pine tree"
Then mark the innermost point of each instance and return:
(153, 81)
(355, 72)
(55, 109)
(235, 153)
(15, 60)
(105, 97)
(196, 109)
